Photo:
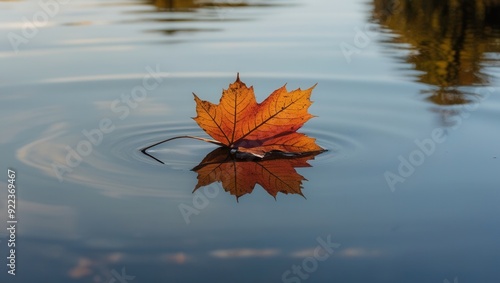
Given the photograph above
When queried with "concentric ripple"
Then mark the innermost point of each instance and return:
(356, 130)
(185, 153)
(177, 154)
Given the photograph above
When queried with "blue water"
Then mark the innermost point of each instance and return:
(115, 214)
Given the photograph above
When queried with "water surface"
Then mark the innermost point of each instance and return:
(399, 82)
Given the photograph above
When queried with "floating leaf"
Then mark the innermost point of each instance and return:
(239, 122)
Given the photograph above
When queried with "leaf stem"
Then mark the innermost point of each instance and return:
(179, 137)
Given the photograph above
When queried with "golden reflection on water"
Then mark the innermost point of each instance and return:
(191, 16)
(450, 41)
(193, 4)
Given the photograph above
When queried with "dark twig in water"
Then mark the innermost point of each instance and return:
(179, 137)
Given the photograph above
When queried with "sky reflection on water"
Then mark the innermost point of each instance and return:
(118, 212)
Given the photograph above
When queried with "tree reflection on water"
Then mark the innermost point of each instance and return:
(183, 5)
(451, 42)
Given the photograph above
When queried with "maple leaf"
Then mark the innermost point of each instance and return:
(239, 122)
(239, 177)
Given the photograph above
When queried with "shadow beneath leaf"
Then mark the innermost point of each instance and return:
(240, 173)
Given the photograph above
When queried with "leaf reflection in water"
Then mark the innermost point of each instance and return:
(239, 176)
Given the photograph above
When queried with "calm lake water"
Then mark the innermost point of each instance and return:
(407, 104)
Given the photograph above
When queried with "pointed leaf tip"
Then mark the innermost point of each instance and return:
(239, 122)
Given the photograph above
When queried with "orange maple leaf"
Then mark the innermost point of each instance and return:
(239, 122)
(239, 177)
